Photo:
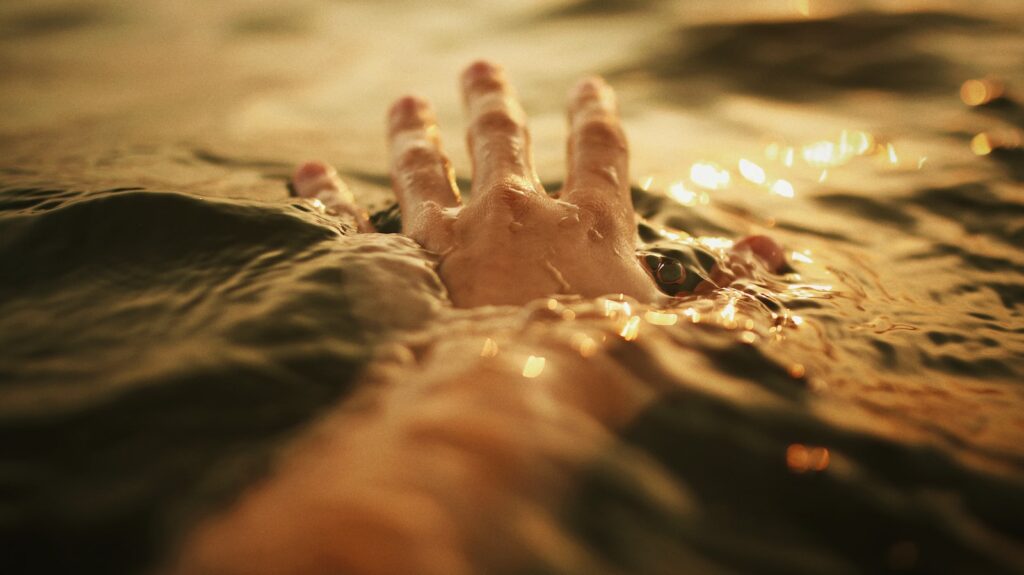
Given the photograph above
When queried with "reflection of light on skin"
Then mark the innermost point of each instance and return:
(783, 188)
(647, 183)
(490, 348)
(981, 144)
(659, 318)
(797, 320)
(679, 193)
(708, 175)
(320, 207)
(631, 330)
(771, 151)
(976, 92)
(801, 257)
(797, 370)
(823, 176)
(803, 7)
(534, 366)
(751, 171)
(802, 458)
(892, 154)
(920, 163)
(748, 337)
(693, 314)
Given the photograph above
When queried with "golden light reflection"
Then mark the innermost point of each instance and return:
(748, 337)
(490, 348)
(660, 318)
(802, 458)
(797, 320)
(708, 175)
(801, 257)
(823, 176)
(584, 344)
(631, 330)
(679, 193)
(820, 154)
(614, 308)
(669, 235)
(534, 366)
(783, 188)
(751, 171)
(647, 183)
(693, 314)
(862, 142)
(893, 159)
(714, 243)
(728, 314)
(977, 92)
(981, 144)
(787, 157)
(797, 370)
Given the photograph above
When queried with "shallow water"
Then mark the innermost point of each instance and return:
(199, 372)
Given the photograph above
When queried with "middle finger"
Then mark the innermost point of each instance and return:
(499, 142)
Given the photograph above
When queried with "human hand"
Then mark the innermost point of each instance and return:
(512, 242)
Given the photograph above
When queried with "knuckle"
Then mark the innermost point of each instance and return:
(601, 214)
(418, 157)
(407, 106)
(509, 196)
(601, 132)
(497, 122)
(484, 78)
(602, 176)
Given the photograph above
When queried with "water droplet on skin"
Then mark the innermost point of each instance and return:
(594, 235)
(515, 227)
(569, 221)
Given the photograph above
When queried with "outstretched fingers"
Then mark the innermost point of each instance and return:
(499, 142)
(598, 156)
(421, 174)
(320, 182)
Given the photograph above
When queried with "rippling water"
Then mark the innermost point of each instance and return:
(199, 374)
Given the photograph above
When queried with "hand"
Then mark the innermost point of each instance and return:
(512, 242)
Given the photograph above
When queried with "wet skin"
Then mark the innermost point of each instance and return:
(511, 242)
